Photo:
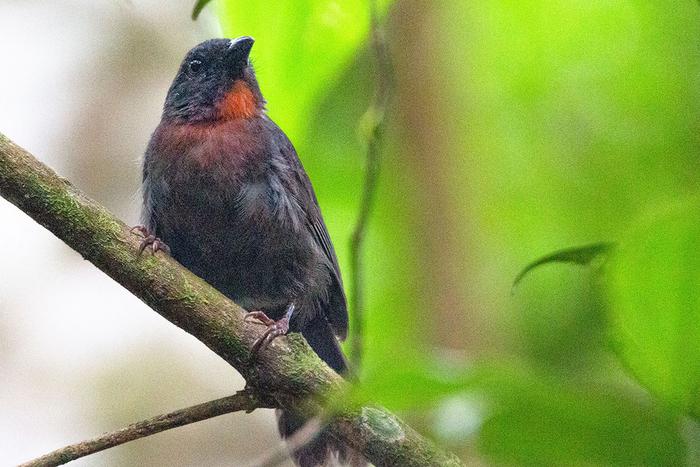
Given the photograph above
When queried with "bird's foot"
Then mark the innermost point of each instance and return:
(151, 240)
(274, 328)
(258, 317)
(273, 331)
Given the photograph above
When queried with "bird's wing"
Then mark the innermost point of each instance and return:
(335, 311)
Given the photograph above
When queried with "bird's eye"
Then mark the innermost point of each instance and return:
(195, 66)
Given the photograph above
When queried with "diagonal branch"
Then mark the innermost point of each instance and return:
(287, 372)
(243, 400)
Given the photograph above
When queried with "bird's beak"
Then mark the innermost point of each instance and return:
(239, 48)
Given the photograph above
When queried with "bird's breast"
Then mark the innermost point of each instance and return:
(230, 213)
(233, 145)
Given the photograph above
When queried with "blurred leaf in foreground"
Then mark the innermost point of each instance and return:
(533, 420)
(654, 292)
(522, 416)
(411, 384)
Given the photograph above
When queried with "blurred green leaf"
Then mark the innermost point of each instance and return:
(532, 417)
(301, 48)
(577, 255)
(535, 420)
(654, 292)
(410, 384)
(198, 7)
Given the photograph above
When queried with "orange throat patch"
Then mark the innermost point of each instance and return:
(240, 102)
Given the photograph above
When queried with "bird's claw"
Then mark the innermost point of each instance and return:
(274, 330)
(258, 317)
(149, 239)
(140, 229)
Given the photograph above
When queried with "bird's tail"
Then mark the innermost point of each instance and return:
(323, 450)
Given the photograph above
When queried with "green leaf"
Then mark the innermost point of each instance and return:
(409, 384)
(654, 291)
(301, 49)
(536, 420)
(579, 255)
(530, 417)
(198, 7)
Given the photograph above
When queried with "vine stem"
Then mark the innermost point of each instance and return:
(374, 119)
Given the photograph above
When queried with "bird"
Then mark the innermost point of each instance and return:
(226, 195)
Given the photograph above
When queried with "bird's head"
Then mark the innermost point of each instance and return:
(215, 82)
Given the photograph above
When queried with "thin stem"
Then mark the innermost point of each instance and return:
(375, 118)
(242, 400)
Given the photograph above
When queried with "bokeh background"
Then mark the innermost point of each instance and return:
(515, 129)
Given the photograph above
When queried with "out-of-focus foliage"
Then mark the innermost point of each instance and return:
(517, 129)
(655, 295)
(535, 420)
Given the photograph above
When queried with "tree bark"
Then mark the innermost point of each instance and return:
(287, 372)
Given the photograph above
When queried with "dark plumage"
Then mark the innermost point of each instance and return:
(224, 189)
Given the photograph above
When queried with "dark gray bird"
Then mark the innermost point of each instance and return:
(225, 190)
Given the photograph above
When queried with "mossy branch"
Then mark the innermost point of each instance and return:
(288, 372)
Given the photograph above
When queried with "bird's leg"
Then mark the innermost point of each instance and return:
(149, 239)
(274, 328)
